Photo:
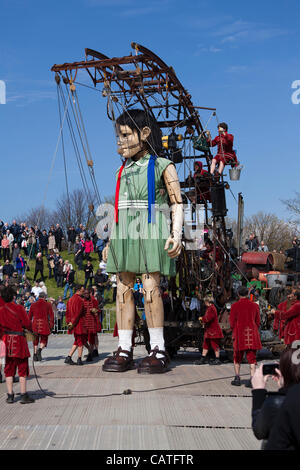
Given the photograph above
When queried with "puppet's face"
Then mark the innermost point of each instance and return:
(131, 142)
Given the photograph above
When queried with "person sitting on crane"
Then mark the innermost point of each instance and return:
(225, 154)
(201, 185)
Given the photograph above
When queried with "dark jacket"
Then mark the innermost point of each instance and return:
(39, 264)
(71, 235)
(69, 278)
(253, 244)
(88, 272)
(43, 240)
(8, 269)
(285, 434)
(265, 408)
(58, 234)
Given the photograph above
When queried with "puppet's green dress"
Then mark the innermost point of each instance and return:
(138, 246)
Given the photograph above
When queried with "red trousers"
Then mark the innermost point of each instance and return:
(80, 340)
(226, 158)
(250, 353)
(211, 344)
(40, 339)
(14, 363)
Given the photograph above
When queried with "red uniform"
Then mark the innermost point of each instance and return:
(245, 322)
(90, 320)
(213, 332)
(98, 322)
(225, 152)
(202, 186)
(75, 315)
(292, 325)
(13, 319)
(42, 317)
(279, 322)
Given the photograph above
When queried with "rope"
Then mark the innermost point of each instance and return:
(52, 166)
(64, 158)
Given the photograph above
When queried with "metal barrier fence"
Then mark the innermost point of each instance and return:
(61, 327)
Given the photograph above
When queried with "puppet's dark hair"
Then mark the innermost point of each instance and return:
(136, 119)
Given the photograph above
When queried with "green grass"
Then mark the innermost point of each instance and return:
(55, 292)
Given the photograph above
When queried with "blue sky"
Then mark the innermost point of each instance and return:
(240, 57)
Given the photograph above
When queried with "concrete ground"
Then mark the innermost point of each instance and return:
(189, 408)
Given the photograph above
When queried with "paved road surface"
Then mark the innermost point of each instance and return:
(191, 407)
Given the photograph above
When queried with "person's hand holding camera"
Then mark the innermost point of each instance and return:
(259, 380)
(260, 376)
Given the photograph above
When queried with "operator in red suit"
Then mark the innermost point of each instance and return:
(244, 322)
(13, 321)
(95, 352)
(279, 322)
(42, 317)
(292, 321)
(225, 154)
(212, 332)
(2, 352)
(90, 313)
(75, 318)
(202, 185)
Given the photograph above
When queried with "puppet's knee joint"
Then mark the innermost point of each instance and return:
(122, 292)
(150, 288)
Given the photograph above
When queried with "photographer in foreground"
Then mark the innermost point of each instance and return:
(266, 406)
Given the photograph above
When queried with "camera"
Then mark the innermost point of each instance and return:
(270, 369)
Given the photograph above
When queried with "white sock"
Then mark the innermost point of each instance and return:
(125, 340)
(157, 339)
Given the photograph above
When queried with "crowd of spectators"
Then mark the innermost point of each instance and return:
(20, 243)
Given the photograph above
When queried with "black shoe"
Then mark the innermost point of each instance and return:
(25, 398)
(69, 361)
(39, 354)
(89, 358)
(215, 362)
(202, 361)
(10, 398)
(35, 358)
(236, 381)
(95, 353)
(248, 384)
(79, 362)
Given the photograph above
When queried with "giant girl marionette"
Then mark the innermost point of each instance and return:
(141, 242)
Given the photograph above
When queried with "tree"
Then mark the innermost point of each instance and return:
(75, 210)
(40, 216)
(277, 234)
(293, 206)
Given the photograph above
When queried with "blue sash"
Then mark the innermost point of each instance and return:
(151, 188)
